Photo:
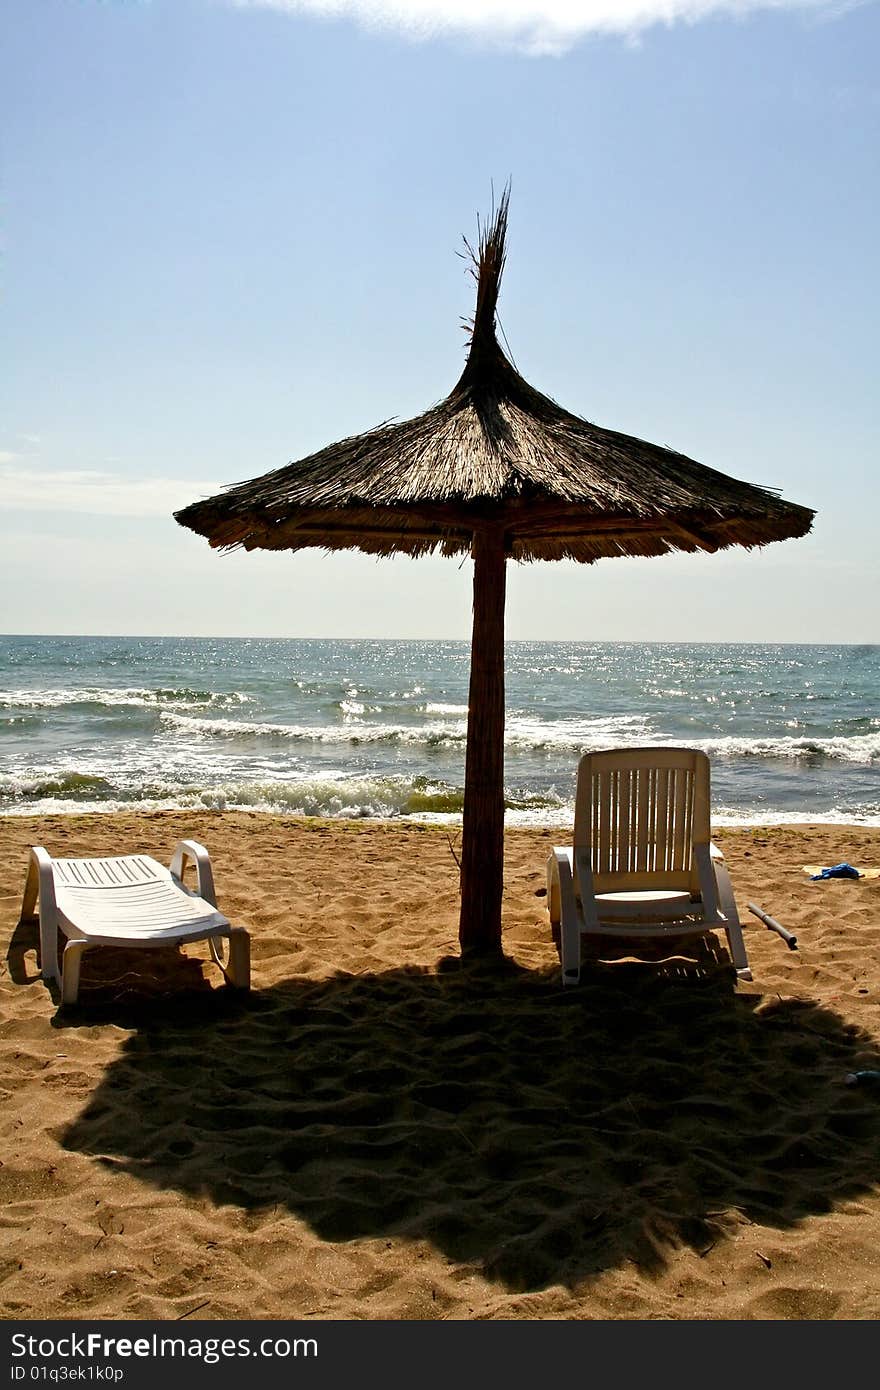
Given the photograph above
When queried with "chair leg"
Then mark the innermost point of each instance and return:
(564, 915)
(732, 926)
(73, 953)
(737, 948)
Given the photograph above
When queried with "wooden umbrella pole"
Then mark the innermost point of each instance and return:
(482, 836)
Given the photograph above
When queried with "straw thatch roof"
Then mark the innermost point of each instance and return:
(496, 451)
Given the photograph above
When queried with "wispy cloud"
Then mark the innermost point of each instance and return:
(534, 26)
(100, 494)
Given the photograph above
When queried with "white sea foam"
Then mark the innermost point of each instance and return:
(346, 804)
(359, 732)
(351, 707)
(861, 748)
(524, 733)
(125, 697)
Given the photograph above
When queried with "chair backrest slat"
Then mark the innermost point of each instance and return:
(642, 777)
(661, 821)
(682, 796)
(623, 821)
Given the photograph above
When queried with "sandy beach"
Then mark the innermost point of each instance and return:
(374, 1132)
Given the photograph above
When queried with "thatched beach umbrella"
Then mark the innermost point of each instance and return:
(502, 472)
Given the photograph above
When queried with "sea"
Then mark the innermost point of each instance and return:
(377, 728)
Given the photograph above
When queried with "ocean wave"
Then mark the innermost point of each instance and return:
(839, 815)
(376, 797)
(521, 732)
(526, 734)
(350, 732)
(863, 748)
(111, 698)
(61, 786)
(354, 710)
(379, 803)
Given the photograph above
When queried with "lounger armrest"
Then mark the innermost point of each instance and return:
(714, 851)
(40, 883)
(191, 850)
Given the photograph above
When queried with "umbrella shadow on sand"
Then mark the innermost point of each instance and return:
(539, 1136)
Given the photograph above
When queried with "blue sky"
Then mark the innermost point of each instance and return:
(230, 236)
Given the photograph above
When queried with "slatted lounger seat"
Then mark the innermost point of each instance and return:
(641, 863)
(128, 901)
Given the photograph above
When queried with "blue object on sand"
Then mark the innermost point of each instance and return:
(838, 871)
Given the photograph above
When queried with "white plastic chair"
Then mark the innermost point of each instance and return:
(130, 901)
(642, 863)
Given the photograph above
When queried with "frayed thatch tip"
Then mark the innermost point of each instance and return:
(487, 266)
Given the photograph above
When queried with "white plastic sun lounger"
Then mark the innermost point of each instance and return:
(642, 863)
(130, 901)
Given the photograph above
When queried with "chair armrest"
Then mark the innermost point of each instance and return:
(191, 850)
(560, 886)
(584, 886)
(714, 851)
(724, 888)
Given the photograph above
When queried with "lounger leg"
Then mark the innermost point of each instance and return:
(570, 952)
(73, 953)
(49, 967)
(239, 969)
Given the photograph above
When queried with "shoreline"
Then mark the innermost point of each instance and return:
(794, 820)
(377, 1132)
(464, 641)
